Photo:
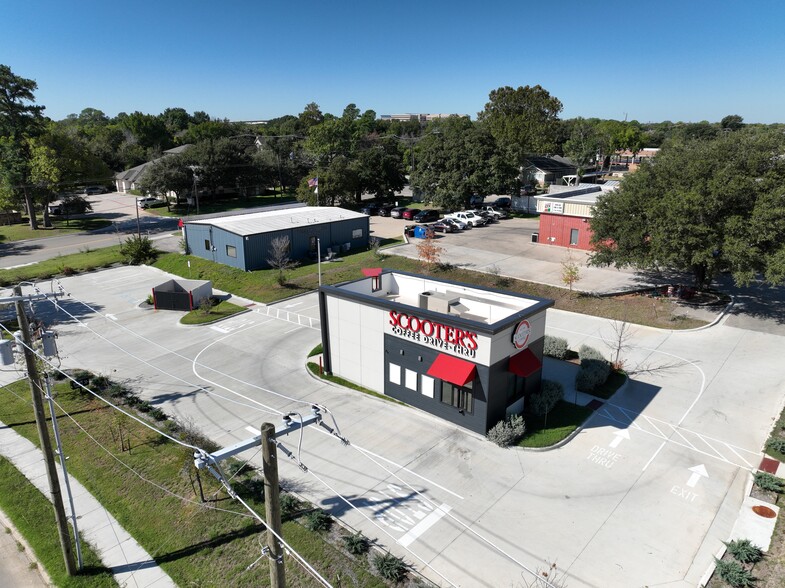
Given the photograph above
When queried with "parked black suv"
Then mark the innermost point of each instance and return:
(426, 216)
(505, 203)
(384, 209)
(370, 209)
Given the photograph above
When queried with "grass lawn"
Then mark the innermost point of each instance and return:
(194, 542)
(262, 286)
(63, 265)
(221, 310)
(562, 420)
(209, 205)
(60, 226)
(32, 515)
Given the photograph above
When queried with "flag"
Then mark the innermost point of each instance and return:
(313, 183)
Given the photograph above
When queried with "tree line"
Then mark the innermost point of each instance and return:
(446, 160)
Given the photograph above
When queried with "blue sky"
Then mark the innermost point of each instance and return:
(244, 60)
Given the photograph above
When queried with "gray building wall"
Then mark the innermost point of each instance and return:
(254, 250)
(410, 358)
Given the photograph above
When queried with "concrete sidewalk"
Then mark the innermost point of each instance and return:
(131, 565)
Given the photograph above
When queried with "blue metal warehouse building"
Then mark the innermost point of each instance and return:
(244, 241)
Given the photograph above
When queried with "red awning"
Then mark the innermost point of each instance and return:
(524, 363)
(371, 272)
(453, 369)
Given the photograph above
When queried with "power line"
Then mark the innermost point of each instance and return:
(359, 449)
(222, 479)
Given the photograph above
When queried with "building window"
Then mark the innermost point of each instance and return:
(461, 397)
(573, 236)
(231, 251)
(357, 234)
(426, 386)
(395, 374)
(207, 244)
(312, 244)
(411, 380)
(376, 283)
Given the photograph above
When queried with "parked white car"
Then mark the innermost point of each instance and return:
(468, 217)
(147, 201)
(460, 225)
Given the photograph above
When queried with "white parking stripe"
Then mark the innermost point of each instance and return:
(424, 525)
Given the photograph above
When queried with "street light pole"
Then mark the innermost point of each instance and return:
(195, 169)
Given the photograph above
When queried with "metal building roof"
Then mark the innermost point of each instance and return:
(279, 220)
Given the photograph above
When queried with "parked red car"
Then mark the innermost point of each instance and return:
(409, 213)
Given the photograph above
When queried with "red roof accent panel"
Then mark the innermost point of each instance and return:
(452, 369)
(524, 363)
(372, 272)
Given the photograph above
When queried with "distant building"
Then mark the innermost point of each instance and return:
(244, 241)
(547, 170)
(565, 212)
(422, 118)
(127, 180)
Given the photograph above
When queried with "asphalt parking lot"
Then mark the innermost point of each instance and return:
(625, 503)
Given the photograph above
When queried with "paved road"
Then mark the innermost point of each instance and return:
(119, 208)
(18, 568)
(625, 503)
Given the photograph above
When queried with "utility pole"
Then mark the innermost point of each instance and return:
(272, 505)
(43, 434)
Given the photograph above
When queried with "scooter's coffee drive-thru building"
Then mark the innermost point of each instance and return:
(467, 354)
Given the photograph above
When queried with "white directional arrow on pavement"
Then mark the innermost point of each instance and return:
(698, 472)
(293, 305)
(619, 436)
(111, 316)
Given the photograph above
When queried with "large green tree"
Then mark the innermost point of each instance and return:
(20, 120)
(523, 120)
(701, 206)
(456, 159)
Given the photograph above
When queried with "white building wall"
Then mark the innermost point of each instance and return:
(357, 342)
(502, 345)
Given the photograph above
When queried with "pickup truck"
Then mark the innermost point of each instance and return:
(497, 212)
(469, 218)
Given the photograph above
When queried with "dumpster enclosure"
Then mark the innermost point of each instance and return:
(181, 294)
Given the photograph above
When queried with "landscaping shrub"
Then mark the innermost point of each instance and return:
(356, 544)
(744, 551)
(556, 347)
(768, 482)
(289, 505)
(589, 356)
(590, 377)
(390, 567)
(101, 383)
(82, 377)
(507, 432)
(158, 414)
(734, 574)
(776, 445)
(318, 520)
(136, 250)
(548, 397)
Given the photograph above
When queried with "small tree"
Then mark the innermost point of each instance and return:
(279, 258)
(138, 250)
(570, 272)
(429, 251)
(546, 399)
